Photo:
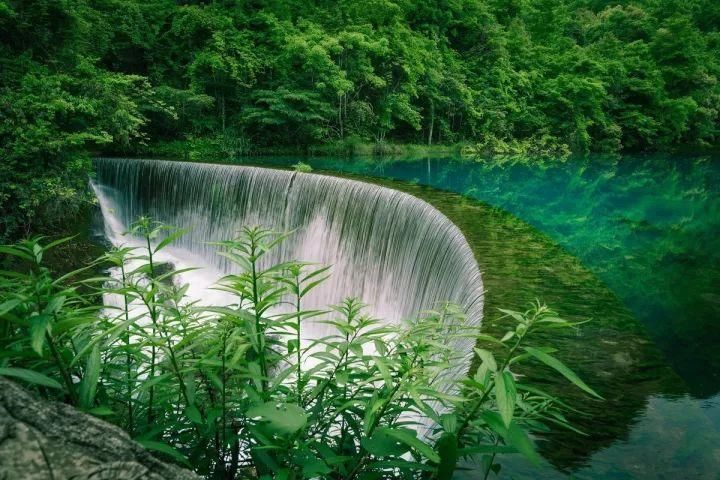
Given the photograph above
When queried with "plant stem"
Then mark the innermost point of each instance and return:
(489, 388)
(151, 398)
(224, 406)
(379, 415)
(299, 354)
(128, 354)
(63, 369)
(258, 318)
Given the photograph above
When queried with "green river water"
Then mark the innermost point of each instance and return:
(632, 243)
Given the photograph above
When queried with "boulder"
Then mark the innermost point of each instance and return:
(42, 440)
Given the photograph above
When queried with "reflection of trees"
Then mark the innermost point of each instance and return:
(611, 352)
(648, 227)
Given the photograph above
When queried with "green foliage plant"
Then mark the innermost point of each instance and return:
(302, 167)
(241, 391)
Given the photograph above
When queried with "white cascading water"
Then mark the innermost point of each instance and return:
(393, 251)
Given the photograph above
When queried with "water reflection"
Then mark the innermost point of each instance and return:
(674, 437)
(649, 227)
(616, 240)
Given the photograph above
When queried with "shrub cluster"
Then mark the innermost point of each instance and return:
(238, 391)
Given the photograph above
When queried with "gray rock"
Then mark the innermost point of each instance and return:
(41, 440)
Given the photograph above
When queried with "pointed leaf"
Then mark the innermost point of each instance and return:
(505, 396)
(88, 385)
(409, 438)
(487, 358)
(560, 367)
(30, 376)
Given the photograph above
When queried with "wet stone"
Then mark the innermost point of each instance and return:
(41, 440)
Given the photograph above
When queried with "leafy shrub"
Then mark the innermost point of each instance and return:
(236, 391)
(302, 167)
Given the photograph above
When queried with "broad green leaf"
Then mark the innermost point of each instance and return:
(487, 358)
(30, 376)
(488, 449)
(101, 411)
(381, 444)
(38, 329)
(560, 367)
(517, 438)
(164, 448)
(54, 305)
(516, 315)
(58, 242)
(513, 435)
(410, 438)
(282, 418)
(88, 385)
(16, 252)
(314, 467)
(192, 412)
(449, 422)
(505, 395)
(401, 465)
(108, 336)
(488, 338)
(169, 239)
(384, 371)
(447, 447)
(9, 305)
(312, 285)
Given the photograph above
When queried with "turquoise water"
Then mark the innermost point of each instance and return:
(649, 229)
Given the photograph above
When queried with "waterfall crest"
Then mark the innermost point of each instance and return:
(395, 252)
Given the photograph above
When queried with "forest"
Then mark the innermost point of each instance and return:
(359, 239)
(136, 77)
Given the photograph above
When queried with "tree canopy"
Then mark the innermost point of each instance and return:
(547, 75)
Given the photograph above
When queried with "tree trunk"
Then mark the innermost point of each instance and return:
(432, 122)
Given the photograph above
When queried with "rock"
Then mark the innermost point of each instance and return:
(41, 440)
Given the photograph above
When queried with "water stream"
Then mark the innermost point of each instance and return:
(393, 251)
(630, 243)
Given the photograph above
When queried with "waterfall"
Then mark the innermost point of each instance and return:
(393, 251)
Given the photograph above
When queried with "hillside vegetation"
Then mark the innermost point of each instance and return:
(542, 76)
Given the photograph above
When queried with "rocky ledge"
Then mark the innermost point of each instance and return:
(42, 440)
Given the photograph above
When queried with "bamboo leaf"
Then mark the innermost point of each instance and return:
(169, 239)
(384, 371)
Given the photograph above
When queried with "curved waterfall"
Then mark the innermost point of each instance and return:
(395, 252)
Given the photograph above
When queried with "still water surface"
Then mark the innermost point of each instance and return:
(632, 243)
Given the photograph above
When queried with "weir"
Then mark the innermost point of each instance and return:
(396, 253)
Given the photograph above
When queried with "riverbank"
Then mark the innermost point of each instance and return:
(226, 147)
(229, 148)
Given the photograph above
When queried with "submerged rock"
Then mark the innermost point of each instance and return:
(41, 440)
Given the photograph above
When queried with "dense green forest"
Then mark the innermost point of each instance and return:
(137, 77)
